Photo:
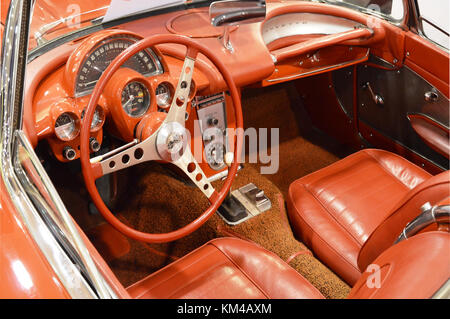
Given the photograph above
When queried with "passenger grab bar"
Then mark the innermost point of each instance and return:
(435, 214)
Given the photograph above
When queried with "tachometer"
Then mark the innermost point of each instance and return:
(144, 62)
(135, 99)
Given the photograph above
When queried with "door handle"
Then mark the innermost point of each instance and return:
(377, 99)
(431, 96)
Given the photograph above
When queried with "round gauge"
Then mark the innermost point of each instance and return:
(66, 126)
(97, 119)
(135, 99)
(144, 62)
(164, 95)
(214, 155)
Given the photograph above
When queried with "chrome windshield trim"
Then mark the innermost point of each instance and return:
(67, 272)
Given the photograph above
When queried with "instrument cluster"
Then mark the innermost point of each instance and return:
(143, 84)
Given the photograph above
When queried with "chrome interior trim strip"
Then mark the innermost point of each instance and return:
(66, 222)
(443, 292)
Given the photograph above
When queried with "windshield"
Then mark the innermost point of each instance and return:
(392, 9)
(54, 18)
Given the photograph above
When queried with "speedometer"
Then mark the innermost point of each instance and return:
(144, 62)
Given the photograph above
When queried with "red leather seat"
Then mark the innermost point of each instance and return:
(226, 268)
(337, 210)
(415, 268)
(232, 268)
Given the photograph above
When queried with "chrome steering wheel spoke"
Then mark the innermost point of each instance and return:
(128, 155)
(177, 111)
(191, 168)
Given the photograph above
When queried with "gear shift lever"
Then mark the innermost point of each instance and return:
(231, 209)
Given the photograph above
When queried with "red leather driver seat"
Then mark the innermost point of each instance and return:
(233, 268)
(351, 211)
(226, 268)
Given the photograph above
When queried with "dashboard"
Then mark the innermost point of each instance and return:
(61, 85)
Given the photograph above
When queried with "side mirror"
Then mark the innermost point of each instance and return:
(234, 12)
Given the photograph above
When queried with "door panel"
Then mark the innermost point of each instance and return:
(428, 60)
(404, 96)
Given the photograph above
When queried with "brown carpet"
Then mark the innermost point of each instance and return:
(302, 149)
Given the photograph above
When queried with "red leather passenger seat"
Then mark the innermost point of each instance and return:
(233, 268)
(352, 210)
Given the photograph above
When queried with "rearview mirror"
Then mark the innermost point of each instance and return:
(234, 12)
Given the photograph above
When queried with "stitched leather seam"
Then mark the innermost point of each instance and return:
(243, 272)
(389, 172)
(331, 214)
(192, 280)
(324, 242)
(339, 162)
(168, 278)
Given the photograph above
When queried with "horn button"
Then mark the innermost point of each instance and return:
(171, 141)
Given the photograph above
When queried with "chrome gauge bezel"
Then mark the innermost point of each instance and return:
(100, 113)
(75, 127)
(164, 103)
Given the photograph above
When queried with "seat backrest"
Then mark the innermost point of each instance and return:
(432, 190)
(414, 268)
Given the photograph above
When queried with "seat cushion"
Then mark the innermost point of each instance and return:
(226, 268)
(334, 210)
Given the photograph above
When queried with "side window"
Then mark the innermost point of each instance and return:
(434, 18)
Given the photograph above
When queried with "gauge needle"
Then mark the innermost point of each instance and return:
(97, 69)
(129, 100)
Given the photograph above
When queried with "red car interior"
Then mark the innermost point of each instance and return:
(363, 122)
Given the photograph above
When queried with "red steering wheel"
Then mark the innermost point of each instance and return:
(168, 142)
